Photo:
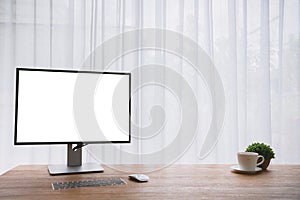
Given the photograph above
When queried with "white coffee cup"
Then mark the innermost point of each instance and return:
(248, 160)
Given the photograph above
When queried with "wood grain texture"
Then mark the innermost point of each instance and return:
(174, 182)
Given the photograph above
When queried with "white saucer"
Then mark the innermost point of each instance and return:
(238, 169)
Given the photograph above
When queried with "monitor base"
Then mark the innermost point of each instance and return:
(64, 169)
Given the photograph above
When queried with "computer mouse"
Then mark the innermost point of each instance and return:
(139, 177)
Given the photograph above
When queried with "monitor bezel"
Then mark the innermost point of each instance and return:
(18, 69)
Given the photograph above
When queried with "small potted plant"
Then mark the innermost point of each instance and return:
(262, 149)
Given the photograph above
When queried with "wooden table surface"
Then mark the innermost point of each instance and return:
(173, 182)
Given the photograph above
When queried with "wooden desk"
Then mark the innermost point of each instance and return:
(174, 182)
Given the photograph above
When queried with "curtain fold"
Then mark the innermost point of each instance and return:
(254, 45)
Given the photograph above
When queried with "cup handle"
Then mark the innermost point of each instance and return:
(262, 161)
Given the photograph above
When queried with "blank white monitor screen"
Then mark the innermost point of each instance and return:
(63, 106)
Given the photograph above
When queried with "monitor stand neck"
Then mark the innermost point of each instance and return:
(74, 157)
(74, 163)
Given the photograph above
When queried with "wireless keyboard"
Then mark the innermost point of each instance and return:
(87, 183)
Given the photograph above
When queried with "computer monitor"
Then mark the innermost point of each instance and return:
(76, 108)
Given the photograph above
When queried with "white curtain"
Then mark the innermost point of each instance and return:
(254, 46)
